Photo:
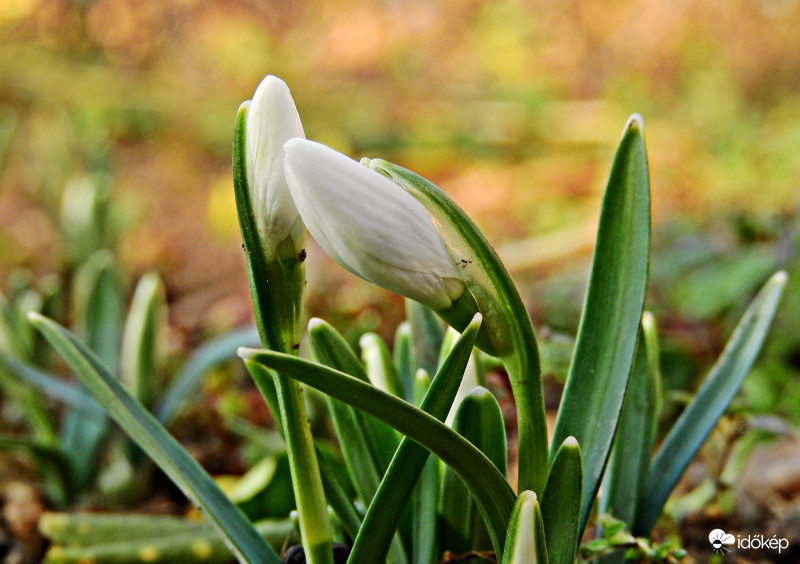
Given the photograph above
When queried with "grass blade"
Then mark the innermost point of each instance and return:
(713, 397)
(171, 457)
(609, 326)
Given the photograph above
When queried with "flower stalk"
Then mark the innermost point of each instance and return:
(507, 331)
(272, 237)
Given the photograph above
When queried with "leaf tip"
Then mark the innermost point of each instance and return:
(635, 123)
(476, 320)
(315, 323)
(246, 353)
(571, 442)
(780, 277)
(35, 317)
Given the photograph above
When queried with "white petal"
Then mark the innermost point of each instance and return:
(370, 225)
(272, 119)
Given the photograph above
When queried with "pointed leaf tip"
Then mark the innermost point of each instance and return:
(477, 320)
(780, 277)
(570, 442)
(246, 353)
(635, 123)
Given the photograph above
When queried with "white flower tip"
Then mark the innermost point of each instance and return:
(295, 145)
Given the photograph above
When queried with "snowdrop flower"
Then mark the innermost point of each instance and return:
(272, 119)
(370, 225)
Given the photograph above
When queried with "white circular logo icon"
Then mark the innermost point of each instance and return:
(718, 539)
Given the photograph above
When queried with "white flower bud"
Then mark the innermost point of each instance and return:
(370, 225)
(272, 119)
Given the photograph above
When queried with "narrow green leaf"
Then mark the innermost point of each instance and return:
(140, 340)
(713, 397)
(489, 487)
(561, 504)
(331, 349)
(424, 496)
(53, 387)
(196, 543)
(171, 457)
(404, 360)
(378, 362)
(609, 326)
(396, 488)
(525, 543)
(427, 331)
(626, 476)
(479, 420)
(200, 363)
(98, 311)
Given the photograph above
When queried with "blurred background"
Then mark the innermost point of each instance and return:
(513, 107)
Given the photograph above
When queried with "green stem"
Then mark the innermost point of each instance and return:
(276, 288)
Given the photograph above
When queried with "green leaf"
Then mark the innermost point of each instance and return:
(609, 326)
(140, 340)
(53, 387)
(561, 504)
(489, 487)
(404, 360)
(367, 444)
(713, 397)
(146, 538)
(171, 457)
(424, 497)
(626, 476)
(525, 543)
(378, 362)
(331, 349)
(427, 332)
(202, 360)
(98, 313)
(386, 508)
(479, 420)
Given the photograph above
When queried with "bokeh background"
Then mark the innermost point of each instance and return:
(513, 107)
